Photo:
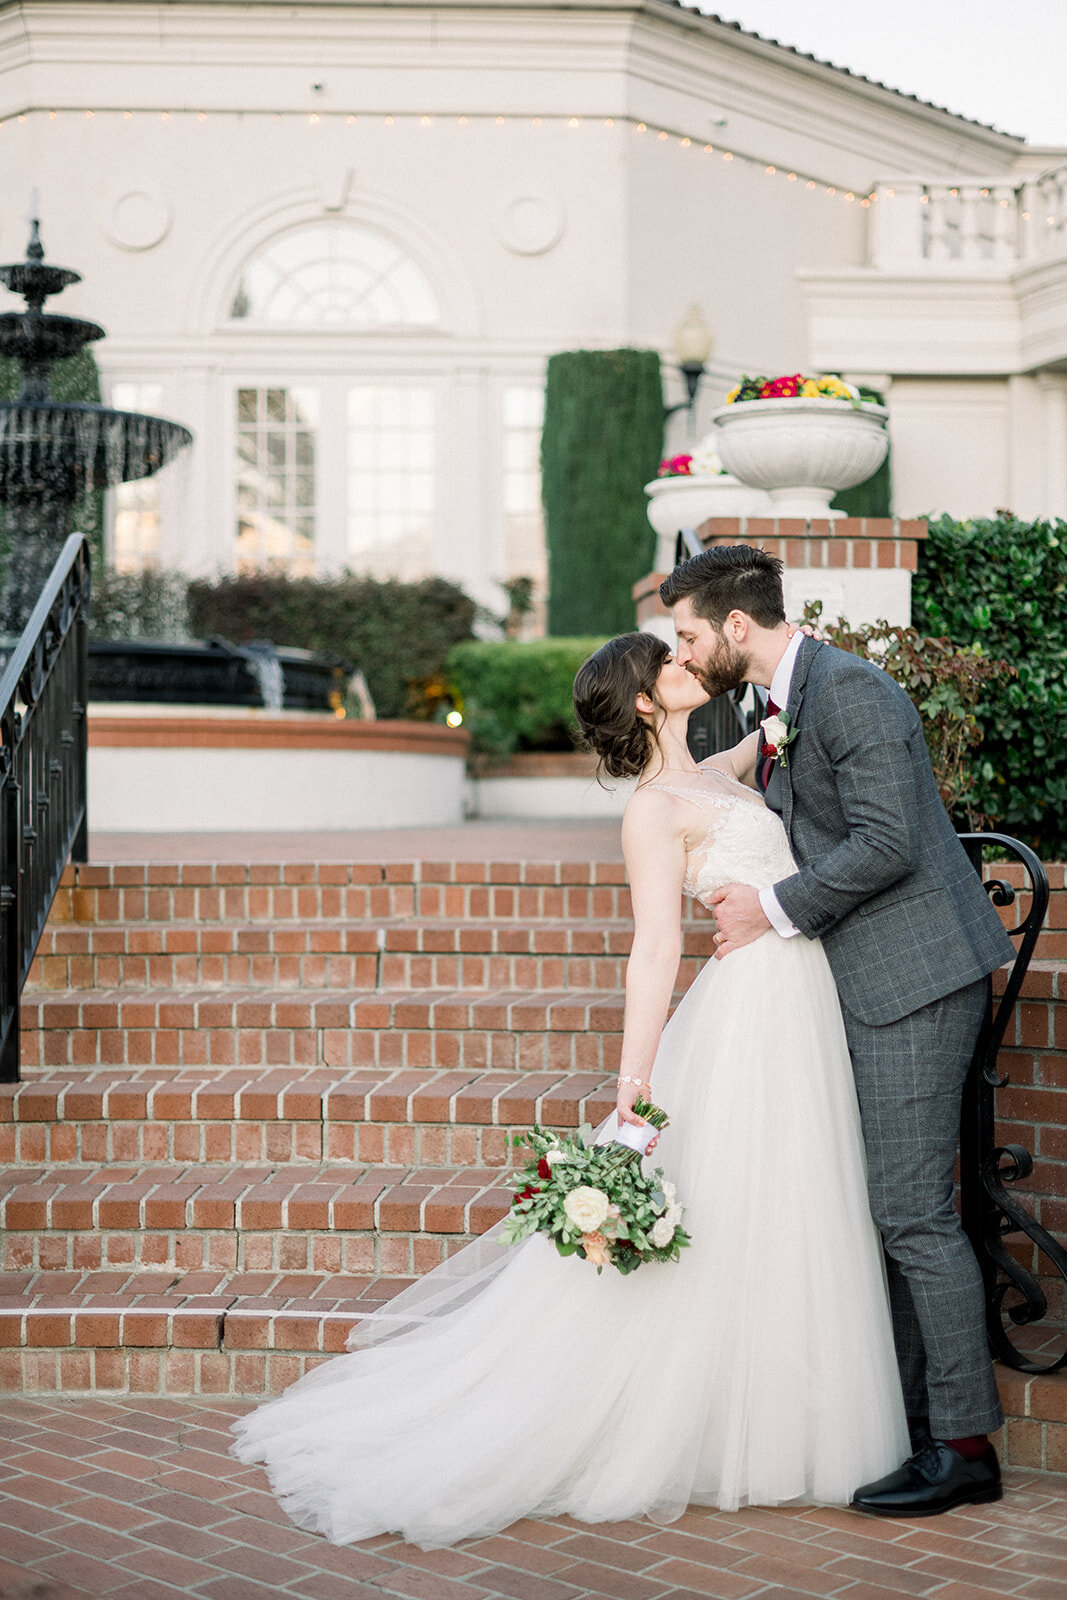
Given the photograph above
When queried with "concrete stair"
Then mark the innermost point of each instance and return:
(260, 1098)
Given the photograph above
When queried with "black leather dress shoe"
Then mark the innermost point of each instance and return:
(933, 1480)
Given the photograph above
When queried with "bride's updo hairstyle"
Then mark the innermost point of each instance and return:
(605, 688)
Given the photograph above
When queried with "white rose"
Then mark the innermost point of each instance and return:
(673, 1215)
(775, 731)
(706, 460)
(670, 1193)
(587, 1208)
(553, 1156)
(662, 1232)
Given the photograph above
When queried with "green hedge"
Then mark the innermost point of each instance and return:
(1002, 583)
(397, 634)
(518, 696)
(602, 440)
(874, 496)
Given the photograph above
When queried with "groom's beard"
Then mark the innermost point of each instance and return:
(726, 669)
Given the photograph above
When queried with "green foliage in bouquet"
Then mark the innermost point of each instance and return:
(1000, 583)
(594, 1200)
(602, 441)
(518, 695)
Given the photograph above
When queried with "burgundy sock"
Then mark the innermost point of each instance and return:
(972, 1448)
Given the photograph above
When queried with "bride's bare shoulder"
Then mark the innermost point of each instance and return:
(650, 805)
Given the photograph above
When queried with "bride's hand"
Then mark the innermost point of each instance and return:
(624, 1101)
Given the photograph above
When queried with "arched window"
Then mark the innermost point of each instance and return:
(334, 274)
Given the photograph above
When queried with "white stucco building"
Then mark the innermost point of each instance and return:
(340, 240)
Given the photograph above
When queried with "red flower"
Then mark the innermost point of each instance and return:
(527, 1194)
(543, 1168)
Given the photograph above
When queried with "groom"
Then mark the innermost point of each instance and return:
(910, 936)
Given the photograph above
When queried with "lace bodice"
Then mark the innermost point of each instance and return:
(743, 842)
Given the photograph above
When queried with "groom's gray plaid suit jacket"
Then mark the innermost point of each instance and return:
(883, 881)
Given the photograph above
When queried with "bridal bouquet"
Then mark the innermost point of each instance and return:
(593, 1200)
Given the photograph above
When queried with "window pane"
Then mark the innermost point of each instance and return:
(135, 531)
(391, 480)
(334, 273)
(524, 531)
(275, 525)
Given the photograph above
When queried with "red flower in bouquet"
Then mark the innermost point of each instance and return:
(543, 1168)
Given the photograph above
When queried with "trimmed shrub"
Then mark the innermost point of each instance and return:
(874, 496)
(518, 695)
(1001, 583)
(397, 634)
(601, 444)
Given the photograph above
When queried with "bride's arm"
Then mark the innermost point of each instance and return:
(740, 760)
(653, 843)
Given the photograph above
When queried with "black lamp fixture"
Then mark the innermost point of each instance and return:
(693, 341)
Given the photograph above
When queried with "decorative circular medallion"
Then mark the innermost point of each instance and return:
(530, 224)
(136, 219)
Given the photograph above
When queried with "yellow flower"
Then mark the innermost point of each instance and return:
(810, 388)
(732, 396)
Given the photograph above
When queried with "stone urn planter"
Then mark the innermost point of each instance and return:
(686, 502)
(802, 452)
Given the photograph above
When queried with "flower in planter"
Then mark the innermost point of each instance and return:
(793, 386)
(675, 467)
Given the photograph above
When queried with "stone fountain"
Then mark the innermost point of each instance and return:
(52, 454)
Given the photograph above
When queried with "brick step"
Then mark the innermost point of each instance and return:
(323, 1219)
(536, 1031)
(174, 1333)
(349, 892)
(407, 955)
(456, 1119)
(246, 1334)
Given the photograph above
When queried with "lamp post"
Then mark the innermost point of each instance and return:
(693, 341)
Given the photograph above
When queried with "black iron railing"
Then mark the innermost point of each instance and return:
(43, 762)
(995, 1218)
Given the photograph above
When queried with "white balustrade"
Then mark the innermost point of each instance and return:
(969, 223)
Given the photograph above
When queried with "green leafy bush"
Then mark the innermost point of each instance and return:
(518, 695)
(601, 443)
(1002, 583)
(397, 634)
(874, 496)
(139, 605)
(945, 682)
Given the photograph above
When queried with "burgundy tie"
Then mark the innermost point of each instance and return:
(767, 761)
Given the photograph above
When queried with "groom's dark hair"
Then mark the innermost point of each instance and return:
(729, 577)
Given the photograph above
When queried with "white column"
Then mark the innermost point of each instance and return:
(1053, 386)
(896, 224)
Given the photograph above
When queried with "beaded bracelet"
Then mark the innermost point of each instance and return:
(640, 1082)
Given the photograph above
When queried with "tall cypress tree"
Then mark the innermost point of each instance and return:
(602, 440)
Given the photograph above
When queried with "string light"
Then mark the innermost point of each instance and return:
(663, 136)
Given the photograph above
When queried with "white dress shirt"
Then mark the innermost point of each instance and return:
(781, 684)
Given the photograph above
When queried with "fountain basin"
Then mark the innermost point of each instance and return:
(70, 449)
(211, 673)
(173, 770)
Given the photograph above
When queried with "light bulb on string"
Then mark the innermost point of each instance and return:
(609, 122)
(728, 155)
(792, 177)
(574, 122)
(463, 121)
(389, 121)
(351, 119)
(685, 143)
(500, 122)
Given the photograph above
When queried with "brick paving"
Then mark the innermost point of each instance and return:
(137, 1499)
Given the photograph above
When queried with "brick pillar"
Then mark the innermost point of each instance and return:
(859, 567)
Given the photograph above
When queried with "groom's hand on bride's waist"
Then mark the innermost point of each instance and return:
(740, 917)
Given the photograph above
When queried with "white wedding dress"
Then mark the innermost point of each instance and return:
(759, 1369)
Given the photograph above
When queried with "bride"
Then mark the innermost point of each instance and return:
(760, 1368)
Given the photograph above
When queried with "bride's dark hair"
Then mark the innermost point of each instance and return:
(605, 688)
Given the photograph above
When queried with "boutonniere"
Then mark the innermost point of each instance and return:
(778, 735)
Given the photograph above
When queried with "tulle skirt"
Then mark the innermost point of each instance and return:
(759, 1369)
